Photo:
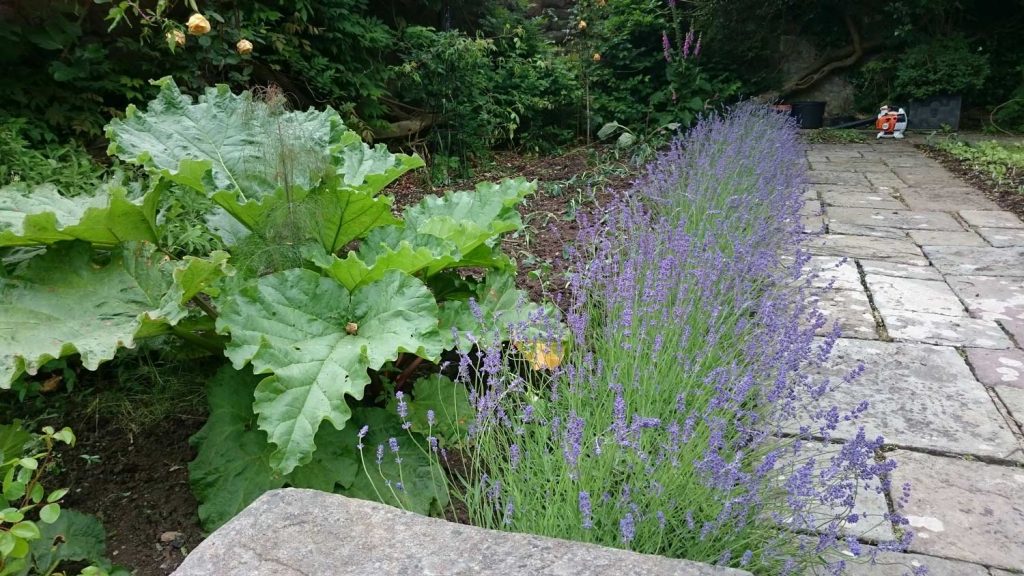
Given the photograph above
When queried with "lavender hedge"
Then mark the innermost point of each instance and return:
(685, 419)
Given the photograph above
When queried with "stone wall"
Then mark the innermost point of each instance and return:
(305, 532)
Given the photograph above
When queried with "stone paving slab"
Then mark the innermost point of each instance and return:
(902, 251)
(857, 230)
(991, 219)
(884, 179)
(977, 260)
(920, 396)
(922, 176)
(991, 297)
(813, 224)
(1013, 399)
(903, 564)
(968, 511)
(946, 238)
(295, 532)
(998, 368)
(906, 219)
(1015, 328)
(842, 178)
(899, 270)
(944, 330)
(1003, 237)
(851, 309)
(892, 293)
(862, 200)
(946, 199)
(840, 273)
(811, 208)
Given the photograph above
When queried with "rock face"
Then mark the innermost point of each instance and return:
(294, 532)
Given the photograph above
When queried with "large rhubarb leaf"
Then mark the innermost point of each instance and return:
(342, 215)
(498, 312)
(232, 465)
(41, 215)
(369, 169)
(252, 158)
(64, 302)
(318, 340)
(472, 221)
(237, 139)
(382, 250)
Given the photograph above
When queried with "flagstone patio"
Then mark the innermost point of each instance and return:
(928, 287)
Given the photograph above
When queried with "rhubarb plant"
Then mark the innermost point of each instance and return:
(322, 289)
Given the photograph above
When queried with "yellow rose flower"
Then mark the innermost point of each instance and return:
(198, 25)
(582, 25)
(243, 47)
(596, 57)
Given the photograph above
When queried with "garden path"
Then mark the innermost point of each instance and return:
(930, 298)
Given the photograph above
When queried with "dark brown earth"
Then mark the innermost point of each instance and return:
(1006, 194)
(136, 482)
(137, 485)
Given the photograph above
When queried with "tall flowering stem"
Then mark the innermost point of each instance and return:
(687, 419)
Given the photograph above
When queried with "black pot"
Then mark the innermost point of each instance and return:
(810, 113)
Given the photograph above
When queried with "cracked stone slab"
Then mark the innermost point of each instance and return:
(977, 260)
(991, 297)
(920, 396)
(900, 250)
(906, 219)
(998, 368)
(946, 238)
(1013, 399)
(859, 199)
(991, 219)
(945, 199)
(856, 230)
(851, 309)
(317, 533)
(892, 293)
(900, 270)
(964, 510)
(944, 330)
(1003, 237)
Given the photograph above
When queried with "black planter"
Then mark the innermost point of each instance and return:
(810, 113)
(934, 113)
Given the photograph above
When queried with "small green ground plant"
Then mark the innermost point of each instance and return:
(320, 293)
(37, 536)
(1001, 163)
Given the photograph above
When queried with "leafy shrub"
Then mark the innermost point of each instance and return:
(69, 167)
(642, 66)
(684, 419)
(945, 65)
(331, 292)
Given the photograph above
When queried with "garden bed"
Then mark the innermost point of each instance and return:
(971, 165)
(133, 475)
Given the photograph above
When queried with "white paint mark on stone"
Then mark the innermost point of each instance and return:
(1011, 362)
(1008, 374)
(926, 522)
